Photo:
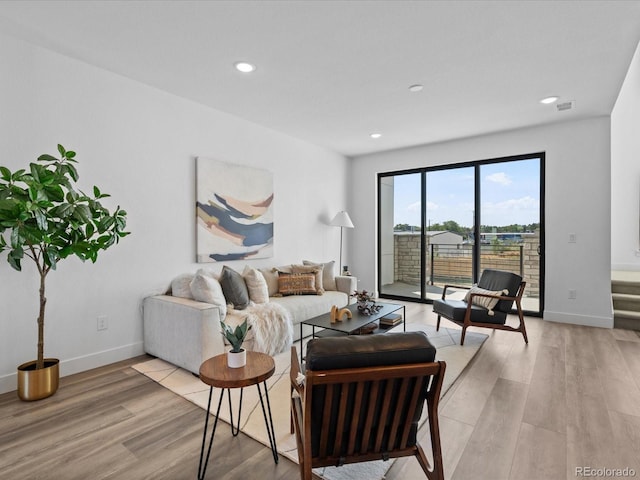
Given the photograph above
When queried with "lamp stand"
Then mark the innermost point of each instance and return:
(340, 267)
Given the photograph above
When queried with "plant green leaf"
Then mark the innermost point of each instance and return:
(47, 158)
(6, 173)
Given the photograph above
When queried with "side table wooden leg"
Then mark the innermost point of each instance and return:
(268, 423)
(202, 467)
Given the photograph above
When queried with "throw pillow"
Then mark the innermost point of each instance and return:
(256, 284)
(328, 273)
(317, 271)
(234, 288)
(271, 277)
(180, 286)
(296, 284)
(485, 302)
(205, 288)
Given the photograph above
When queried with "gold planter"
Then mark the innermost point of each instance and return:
(38, 384)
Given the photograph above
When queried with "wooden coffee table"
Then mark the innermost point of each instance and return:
(216, 373)
(353, 325)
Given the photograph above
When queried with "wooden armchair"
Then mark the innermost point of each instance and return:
(361, 399)
(485, 305)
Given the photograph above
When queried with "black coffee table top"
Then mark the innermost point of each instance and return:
(358, 320)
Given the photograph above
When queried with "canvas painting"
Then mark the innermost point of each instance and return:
(234, 209)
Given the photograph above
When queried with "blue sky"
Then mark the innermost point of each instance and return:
(509, 194)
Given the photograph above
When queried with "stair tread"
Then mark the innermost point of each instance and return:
(626, 296)
(626, 314)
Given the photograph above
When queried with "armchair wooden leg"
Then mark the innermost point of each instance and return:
(292, 431)
(523, 329)
(432, 474)
(438, 324)
(464, 332)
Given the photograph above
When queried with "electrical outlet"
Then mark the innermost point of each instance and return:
(572, 238)
(573, 294)
(103, 324)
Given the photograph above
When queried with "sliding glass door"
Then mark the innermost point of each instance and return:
(510, 222)
(449, 234)
(444, 225)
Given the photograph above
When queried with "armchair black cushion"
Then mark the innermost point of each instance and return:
(456, 310)
(356, 351)
(495, 280)
(467, 313)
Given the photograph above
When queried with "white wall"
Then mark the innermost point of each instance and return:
(139, 144)
(578, 200)
(625, 172)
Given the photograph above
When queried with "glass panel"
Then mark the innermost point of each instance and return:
(400, 210)
(510, 223)
(449, 227)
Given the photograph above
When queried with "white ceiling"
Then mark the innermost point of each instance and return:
(332, 72)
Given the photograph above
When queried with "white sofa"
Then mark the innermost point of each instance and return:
(186, 332)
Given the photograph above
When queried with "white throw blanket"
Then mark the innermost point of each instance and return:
(271, 327)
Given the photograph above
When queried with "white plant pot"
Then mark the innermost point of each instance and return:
(237, 359)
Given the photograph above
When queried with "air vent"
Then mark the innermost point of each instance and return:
(566, 106)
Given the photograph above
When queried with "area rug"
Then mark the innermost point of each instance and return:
(185, 384)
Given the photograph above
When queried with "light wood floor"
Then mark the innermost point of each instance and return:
(569, 399)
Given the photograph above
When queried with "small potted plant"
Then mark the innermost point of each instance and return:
(237, 356)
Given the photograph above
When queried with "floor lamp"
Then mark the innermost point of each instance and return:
(343, 221)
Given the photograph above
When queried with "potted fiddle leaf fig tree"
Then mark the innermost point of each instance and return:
(237, 356)
(45, 218)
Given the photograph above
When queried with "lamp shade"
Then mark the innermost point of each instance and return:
(342, 219)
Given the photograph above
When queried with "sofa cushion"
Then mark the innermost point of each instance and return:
(256, 284)
(234, 288)
(296, 284)
(181, 285)
(314, 270)
(328, 273)
(304, 307)
(205, 288)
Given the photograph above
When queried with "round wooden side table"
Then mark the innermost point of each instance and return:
(216, 373)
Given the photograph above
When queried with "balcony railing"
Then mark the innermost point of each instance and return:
(452, 264)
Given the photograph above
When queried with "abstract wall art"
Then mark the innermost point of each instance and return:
(234, 211)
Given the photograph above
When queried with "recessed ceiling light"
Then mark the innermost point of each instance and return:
(415, 88)
(549, 100)
(245, 67)
(375, 135)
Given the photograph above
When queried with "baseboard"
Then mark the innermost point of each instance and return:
(626, 267)
(70, 366)
(586, 320)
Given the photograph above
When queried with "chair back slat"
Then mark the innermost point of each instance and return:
(398, 412)
(383, 420)
(370, 417)
(341, 425)
(416, 396)
(324, 433)
(357, 407)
